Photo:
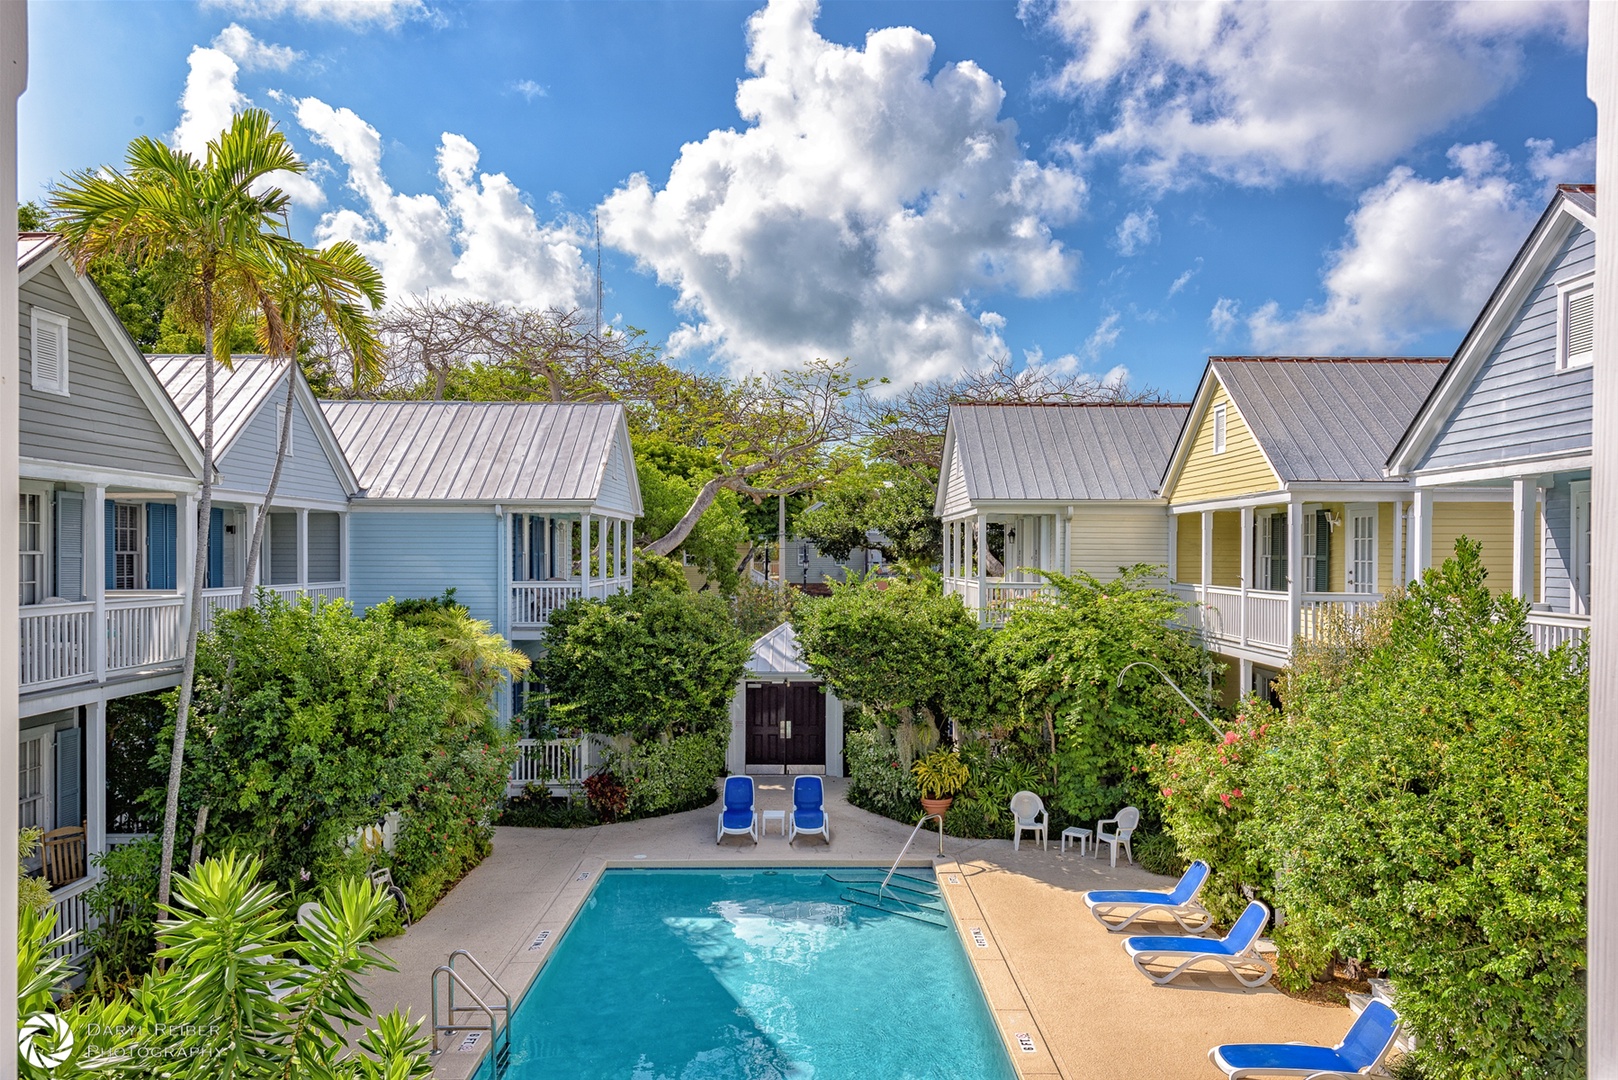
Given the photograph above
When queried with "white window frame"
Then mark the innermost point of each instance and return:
(1221, 426)
(41, 553)
(1566, 293)
(1311, 544)
(44, 321)
(140, 546)
(292, 432)
(43, 737)
(1579, 573)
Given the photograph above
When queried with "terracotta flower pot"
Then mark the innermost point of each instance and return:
(937, 806)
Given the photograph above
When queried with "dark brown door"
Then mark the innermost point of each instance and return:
(806, 724)
(766, 708)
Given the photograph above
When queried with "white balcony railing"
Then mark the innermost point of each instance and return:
(558, 763)
(72, 918)
(999, 597)
(1550, 628)
(230, 599)
(144, 632)
(56, 644)
(1262, 618)
(532, 602)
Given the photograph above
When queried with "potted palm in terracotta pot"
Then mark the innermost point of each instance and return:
(939, 775)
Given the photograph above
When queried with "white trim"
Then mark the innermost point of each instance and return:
(1220, 426)
(1567, 292)
(1505, 471)
(42, 319)
(71, 697)
(1532, 258)
(1373, 511)
(1188, 435)
(256, 498)
(65, 472)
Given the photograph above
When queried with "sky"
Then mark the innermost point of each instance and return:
(1118, 190)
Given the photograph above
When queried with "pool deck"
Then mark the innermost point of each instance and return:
(1048, 970)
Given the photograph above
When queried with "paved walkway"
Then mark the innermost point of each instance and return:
(1048, 970)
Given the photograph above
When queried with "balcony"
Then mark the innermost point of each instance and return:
(561, 765)
(58, 645)
(230, 599)
(533, 602)
(997, 597)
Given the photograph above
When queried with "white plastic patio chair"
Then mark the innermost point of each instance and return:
(1123, 828)
(1029, 811)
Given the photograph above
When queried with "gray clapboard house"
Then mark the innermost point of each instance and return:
(109, 478)
(1066, 487)
(305, 543)
(1512, 416)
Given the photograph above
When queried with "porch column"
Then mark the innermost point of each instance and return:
(602, 569)
(342, 549)
(250, 570)
(1421, 533)
(584, 553)
(1174, 546)
(303, 547)
(983, 565)
(1247, 583)
(186, 528)
(1067, 542)
(1207, 555)
(95, 777)
(1524, 500)
(95, 572)
(629, 551)
(1398, 575)
(1244, 669)
(1294, 564)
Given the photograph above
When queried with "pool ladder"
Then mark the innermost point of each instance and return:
(448, 1022)
(883, 888)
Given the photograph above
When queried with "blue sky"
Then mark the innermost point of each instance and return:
(923, 187)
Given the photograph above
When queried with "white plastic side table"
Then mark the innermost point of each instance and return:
(780, 819)
(1073, 832)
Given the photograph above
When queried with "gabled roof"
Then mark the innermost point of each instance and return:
(239, 392)
(1061, 452)
(38, 251)
(1572, 205)
(1328, 418)
(485, 452)
(777, 653)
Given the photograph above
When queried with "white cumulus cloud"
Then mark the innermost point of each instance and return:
(476, 236)
(529, 89)
(1185, 277)
(1222, 319)
(252, 54)
(1262, 92)
(356, 14)
(862, 210)
(1575, 165)
(1136, 231)
(1420, 255)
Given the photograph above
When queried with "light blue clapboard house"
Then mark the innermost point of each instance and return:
(304, 546)
(109, 479)
(1512, 413)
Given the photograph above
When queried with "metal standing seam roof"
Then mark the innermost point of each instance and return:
(1064, 452)
(1328, 418)
(1581, 195)
(31, 245)
(468, 451)
(238, 391)
(777, 653)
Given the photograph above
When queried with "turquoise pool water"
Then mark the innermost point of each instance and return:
(755, 975)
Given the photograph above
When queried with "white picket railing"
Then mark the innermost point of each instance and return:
(533, 602)
(1551, 628)
(144, 632)
(558, 763)
(230, 599)
(72, 917)
(999, 597)
(57, 643)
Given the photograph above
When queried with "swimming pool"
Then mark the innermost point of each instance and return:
(752, 975)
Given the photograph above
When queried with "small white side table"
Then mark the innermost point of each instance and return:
(1073, 832)
(780, 819)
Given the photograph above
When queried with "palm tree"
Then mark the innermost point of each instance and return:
(216, 229)
(329, 285)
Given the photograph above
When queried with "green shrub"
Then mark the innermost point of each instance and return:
(876, 780)
(668, 776)
(1425, 808)
(535, 808)
(124, 906)
(1158, 854)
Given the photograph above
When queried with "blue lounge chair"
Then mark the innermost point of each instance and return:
(1361, 1051)
(1237, 952)
(809, 816)
(1181, 903)
(739, 817)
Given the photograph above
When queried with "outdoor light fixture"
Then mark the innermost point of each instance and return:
(1172, 686)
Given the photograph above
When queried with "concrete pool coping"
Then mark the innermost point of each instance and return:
(1047, 969)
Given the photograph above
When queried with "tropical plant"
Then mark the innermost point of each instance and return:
(124, 909)
(940, 774)
(32, 892)
(242, 994)
(218, 228)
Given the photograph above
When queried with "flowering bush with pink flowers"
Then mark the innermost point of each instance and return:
(1202, 785)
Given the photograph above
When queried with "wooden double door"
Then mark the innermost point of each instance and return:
(786, 727)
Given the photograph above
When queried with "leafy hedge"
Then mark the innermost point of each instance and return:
(668, 776)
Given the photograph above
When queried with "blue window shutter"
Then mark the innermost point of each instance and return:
(69, 572)
(216, 548)
(536, 548)
(69, 798)
(1278, 552)
(111, 516)
(516, 547)
(160, 545)
(1322, 582)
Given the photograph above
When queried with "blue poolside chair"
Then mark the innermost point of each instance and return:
(1181, 903)
(1237, 952)
(809, 816)
(1361, 1051)
(739, 817)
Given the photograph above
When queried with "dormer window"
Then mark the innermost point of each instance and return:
(47, 354)
(1219, 428)
(1576, 323)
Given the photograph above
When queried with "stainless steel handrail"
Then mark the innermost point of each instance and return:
(455, 979)
(882, 889)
